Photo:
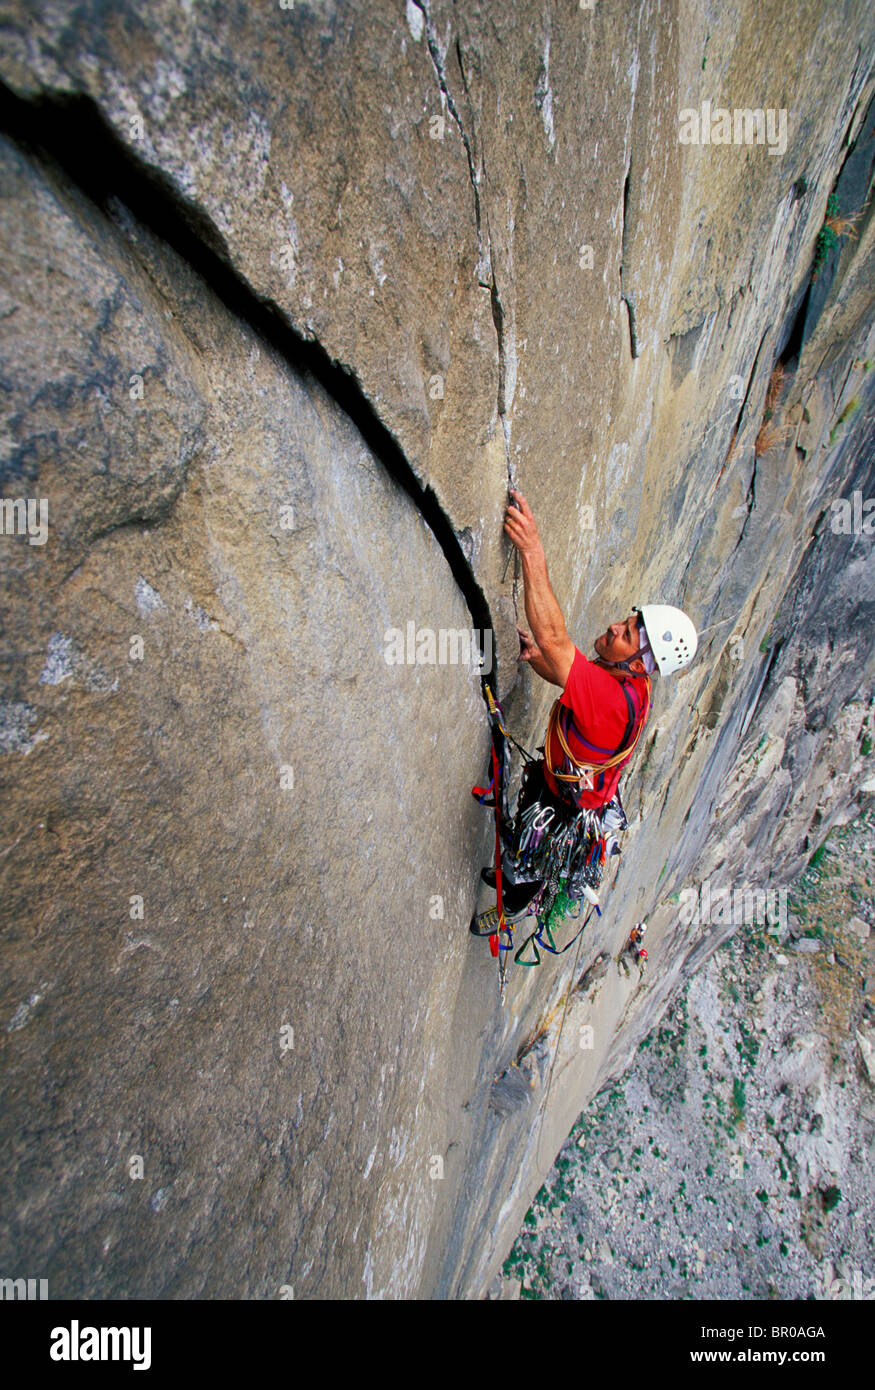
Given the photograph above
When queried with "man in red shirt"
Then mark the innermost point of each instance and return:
(598, 719)
(608, 708)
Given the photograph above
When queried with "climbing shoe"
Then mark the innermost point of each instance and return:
(485, 923)
(488, 876)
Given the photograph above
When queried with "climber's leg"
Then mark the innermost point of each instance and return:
(516, 896)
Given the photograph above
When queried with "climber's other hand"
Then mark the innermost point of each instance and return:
(528, 646)
(520, 524)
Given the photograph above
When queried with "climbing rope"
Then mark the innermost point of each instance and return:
(578, 772)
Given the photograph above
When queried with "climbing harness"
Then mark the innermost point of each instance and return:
(561, 845)
(577, 776)
(552, 841)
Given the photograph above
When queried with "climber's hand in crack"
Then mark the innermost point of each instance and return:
(520, 525)
(529, 649)
(531, 653)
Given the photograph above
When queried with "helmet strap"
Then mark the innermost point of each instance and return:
(623, 665)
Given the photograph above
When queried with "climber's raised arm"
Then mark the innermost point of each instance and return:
(555, 649)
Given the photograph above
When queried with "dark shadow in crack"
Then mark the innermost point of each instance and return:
(73, 133)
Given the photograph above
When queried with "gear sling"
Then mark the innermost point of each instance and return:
(551, 839)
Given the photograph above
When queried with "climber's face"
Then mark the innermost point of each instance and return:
(621, 640)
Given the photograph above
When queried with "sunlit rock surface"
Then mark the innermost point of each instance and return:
(239, 850)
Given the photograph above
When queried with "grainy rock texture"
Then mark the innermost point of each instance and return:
(734, 1158)
(288, 295)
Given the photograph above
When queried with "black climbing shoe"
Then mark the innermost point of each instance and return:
(488, 876)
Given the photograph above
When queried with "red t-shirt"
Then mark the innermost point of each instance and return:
(600, 716)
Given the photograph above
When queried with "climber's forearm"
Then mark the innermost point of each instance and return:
(543, 669)
(556, 649)
(542, 610)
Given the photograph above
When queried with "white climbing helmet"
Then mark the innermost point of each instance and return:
(671, 635)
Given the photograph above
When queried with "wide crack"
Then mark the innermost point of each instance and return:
(73, 133)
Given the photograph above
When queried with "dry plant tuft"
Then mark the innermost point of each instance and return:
(769, 437)
(776, 382)
(844, 226)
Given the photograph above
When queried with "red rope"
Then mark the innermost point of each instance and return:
(496, 782)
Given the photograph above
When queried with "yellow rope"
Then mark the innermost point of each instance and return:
(582, 769)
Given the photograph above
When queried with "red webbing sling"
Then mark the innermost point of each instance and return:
(481, 794)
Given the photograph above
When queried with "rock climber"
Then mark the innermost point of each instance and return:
(634, 947)
(593, 728)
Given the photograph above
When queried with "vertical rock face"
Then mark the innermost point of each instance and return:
(287, 297)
